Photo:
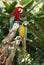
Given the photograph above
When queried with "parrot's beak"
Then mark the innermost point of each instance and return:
(21, 11)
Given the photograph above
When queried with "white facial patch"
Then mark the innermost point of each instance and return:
(20, 10)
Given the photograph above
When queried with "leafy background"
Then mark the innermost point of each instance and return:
(34, 14)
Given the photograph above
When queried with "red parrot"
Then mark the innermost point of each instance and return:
(15, 15)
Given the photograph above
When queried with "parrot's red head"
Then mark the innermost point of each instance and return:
(19, 9)
(16, 12)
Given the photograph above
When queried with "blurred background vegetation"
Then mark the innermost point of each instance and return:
(34, 14)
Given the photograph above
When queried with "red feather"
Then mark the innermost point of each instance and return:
(16, 13)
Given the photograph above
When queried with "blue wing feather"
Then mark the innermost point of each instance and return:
(11, 21)
(25, 32)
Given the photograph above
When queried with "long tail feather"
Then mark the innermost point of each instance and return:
(11, 22)
(24, 50)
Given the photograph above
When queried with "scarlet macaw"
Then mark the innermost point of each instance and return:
(15, 15)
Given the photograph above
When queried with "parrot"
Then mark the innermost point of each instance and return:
(15, 15)
(23, 35)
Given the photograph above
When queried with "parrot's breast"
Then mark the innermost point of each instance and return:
(17, 16)
(21, 30)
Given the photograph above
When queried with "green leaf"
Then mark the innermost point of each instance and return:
(12, 6)
(29, 4)
(6, 4)
(23, 2)
(9, 8)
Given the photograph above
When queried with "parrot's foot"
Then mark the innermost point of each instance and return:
(18, 39)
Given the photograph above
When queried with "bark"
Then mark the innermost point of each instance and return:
(11, 34)
(10, 58)
(4, 60)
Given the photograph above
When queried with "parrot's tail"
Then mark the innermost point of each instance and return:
(24, 50)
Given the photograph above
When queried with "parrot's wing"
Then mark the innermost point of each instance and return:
(25, 31)
(12, 21)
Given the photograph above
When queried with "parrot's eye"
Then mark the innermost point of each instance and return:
(20, 10)
(26, 23)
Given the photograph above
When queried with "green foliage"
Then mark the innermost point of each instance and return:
(9, 6)
(39, 57)
(35, 37)
(23, 2)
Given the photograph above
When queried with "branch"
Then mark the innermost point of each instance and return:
(10, 58)
(3, 54)
(11, 34)
(4, 50)
(6, 43)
